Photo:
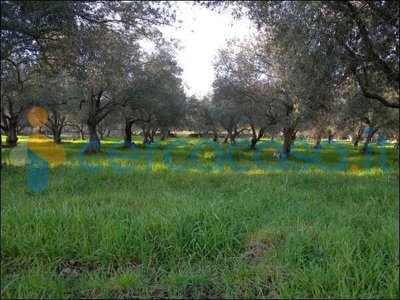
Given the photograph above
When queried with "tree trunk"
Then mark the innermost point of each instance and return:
(82, 134)
(358, 136)
(253, 143)
(256, 137)
(12, 138)
(146, 136)
(164, 134)
(56, 135)
(363, 150)
(128, 133)
(59, 133)
(108, 132)
(330, 136)
(227, 137)
(10, 121)
(152, 134)
(234, 135)
(232, 138)
(215, 136)
(289, 138)
(318, 140)
(93, 137)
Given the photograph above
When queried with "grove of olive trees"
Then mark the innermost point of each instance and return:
(301, 71)
(199, 150)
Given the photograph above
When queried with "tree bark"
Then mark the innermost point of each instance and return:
(146, 136)
(256, 137)
(96, 114)
(56, 125)
(164, 133)
(289, 137)
(12, 137)
(10, 117)
(152, 134)
(363, 150)
(81, 134)
(232, 138)
(128, 132)
(80, 128)
(93, 137)
(289, 131)
(227, 137)
(215, 135)
(318, 140)
(330, 136)
(56, 135)
(319, 137)
(358, 136)
(234, 134)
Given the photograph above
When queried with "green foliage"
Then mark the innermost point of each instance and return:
(360, 38)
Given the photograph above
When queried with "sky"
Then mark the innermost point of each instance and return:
(201, 33)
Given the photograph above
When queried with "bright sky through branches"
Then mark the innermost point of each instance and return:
(201, 33)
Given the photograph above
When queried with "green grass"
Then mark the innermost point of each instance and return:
(216, 235)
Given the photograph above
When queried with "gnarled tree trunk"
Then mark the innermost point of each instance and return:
(56, 124)
(289, 130)
(318, 136)
(152, 134)
(358, 136)
(9, 124)
(146, 135)
(289, 136)
(256, 137)
(232, 138)
(164, 133)
(56, 135)
(12, 138)
(330, 136)
(79, 128)
(92, 124)
(82, 135)
(128, 133)
(368, 142)
(97, 113)
(228, 135)
(215, 135)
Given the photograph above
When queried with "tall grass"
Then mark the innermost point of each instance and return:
(195, 235)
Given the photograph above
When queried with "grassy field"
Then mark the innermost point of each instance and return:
(223, 234)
